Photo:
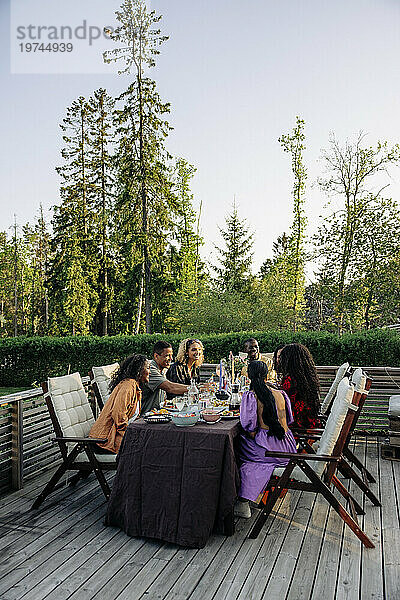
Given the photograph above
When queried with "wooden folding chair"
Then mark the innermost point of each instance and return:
(72, 419)
(315, 472)
(362, 384)
(99, 380)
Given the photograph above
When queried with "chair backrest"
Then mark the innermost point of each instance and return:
(327, 402)
(335, 422)
(68, 405)
(101, 376)
(361, 383)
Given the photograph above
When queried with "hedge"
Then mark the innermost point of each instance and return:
(28, 361)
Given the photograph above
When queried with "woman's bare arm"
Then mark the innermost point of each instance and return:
(280, 408)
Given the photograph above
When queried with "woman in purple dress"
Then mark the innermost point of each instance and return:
(265, 414)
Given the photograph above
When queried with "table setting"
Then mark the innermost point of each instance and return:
(177, 475)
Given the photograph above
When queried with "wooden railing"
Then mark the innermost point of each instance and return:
(26, 449)
(26, 430)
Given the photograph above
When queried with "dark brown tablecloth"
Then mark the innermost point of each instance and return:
(176, 484)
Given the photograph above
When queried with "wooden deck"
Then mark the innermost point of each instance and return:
(63, 551)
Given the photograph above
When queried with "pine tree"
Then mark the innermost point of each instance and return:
(37, 241)
(141, 40)
(101, 174)
(75, 235)
(234, 272)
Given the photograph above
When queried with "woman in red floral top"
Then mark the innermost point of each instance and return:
(300, 382)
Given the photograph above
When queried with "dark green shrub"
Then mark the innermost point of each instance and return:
(24, 361)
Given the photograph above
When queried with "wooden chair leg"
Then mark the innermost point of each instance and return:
(352, 458)
(78, 476)
(347, 470)
(334, 502)
(62, 469)
(98, 471)
(346, 494)
(272, 498)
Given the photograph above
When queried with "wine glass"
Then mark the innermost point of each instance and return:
(179, 402)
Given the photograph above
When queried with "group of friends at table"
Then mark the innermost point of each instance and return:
(268, 410)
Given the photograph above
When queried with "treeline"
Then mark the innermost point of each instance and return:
(122, 252)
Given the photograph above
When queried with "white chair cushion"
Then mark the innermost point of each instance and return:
(340, 373)
(331, 432)
(394, 406)
(359, 380)
(102, 458)
(102, 376)
(71, 405)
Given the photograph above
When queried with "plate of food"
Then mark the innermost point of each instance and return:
(157, 412)
(210, 416)
(230, 414)
(157, 418)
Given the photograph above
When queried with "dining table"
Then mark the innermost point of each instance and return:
(176, 484)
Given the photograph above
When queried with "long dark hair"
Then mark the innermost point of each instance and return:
(296, 362)
(275, 358)
(130, 368)
(257, 372)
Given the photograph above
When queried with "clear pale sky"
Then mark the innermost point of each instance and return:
(237, 74)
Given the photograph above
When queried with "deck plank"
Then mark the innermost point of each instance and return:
(20, 522)
(264, 563)
(53, 562)
(282, 572)
(64, 552)
(133, 564)
(329, 559)
(301, 584)
(390, 529)
(348, 581)
(208, 568)
(66, 519)
(233, 579)
(371, 576)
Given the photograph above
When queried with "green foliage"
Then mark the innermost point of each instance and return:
(234, 274)
(294, 259)
(24, 361)
(352, 173)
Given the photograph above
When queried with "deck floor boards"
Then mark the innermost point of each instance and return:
(64, 552)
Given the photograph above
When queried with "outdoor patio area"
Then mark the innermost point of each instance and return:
(63, 551)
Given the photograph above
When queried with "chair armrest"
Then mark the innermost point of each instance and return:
(297, 431)
(300, 456)
(80, 440)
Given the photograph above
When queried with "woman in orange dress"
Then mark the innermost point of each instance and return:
(123, 404)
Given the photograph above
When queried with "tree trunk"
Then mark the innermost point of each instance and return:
(104, 229)
(140, 302)
(15, 280)
(145, 216)
(197, 249)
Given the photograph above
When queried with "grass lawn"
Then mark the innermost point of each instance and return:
(13, 390)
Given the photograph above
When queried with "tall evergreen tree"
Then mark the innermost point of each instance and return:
(37, 242)
(234, 272)
(140, 39)
(75, 236)
(101, 173)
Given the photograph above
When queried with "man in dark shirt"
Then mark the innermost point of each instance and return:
(153, 392)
